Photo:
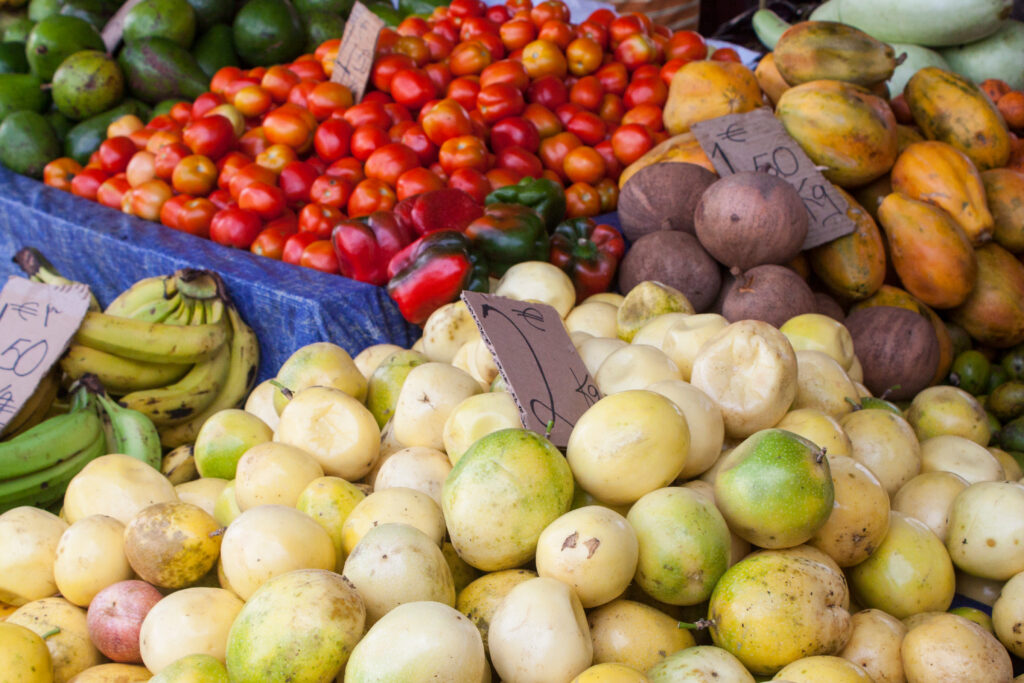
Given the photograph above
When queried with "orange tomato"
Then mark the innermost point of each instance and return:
(253, 100)
(223, 77)
(326, 98)
(582, 199)
(543, 119)
(112, 190)
(195, 175)
(469, 58)
(371, 195)
(464, 151)
(287, 127)
(141, 168)
(584, 56)
(387, 163)
(583, 165)
(416, 181)
(554, 149)
(60, 172)
(148, 198)
(276, 157)
(544, 58)
(253, 142)
(278, 81)
(505, 71)
(556, 31)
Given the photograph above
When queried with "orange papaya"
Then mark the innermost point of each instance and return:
(842, 127)
(852, 267)
(907, 135)
(950, 108)
(817, 50)
(769, 79)
(706, 89)
(940, 174)
(929, 251)
(1004, 189)
(682, 148)
(993, 314)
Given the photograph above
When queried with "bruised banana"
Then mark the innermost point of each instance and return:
(179, 465)
(48, 443)
(151, 342)
(130, 432)
(120, 375)
(244, 364)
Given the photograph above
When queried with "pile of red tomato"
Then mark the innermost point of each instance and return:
(473, 97)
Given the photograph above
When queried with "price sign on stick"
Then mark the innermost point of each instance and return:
(757, 141)
(36, 323)
(533, 352)
(114, 28)
(354, 62)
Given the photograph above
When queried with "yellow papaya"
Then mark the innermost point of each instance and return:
(706, 89)
(769, 79)
(852, 267)
(940, 174)
(816, 50)
(1004, 188)
(929, 251)
(994, 312)
(950, 108)
(682, 148)
(842, 127)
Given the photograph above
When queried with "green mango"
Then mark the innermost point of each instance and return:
(27, 143)
(85, 138)
(56, 38)
(87, 83)
(216, 49)
(157, 69)
(21, 92)
(174, 20)
(12, 58)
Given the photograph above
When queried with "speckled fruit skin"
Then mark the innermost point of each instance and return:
(172, 545)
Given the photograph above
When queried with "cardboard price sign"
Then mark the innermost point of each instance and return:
(533, 352)
(757, 141)
(354, 62)
(114, 28)
(36, 323)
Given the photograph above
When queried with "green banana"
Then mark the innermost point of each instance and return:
(131, 432)
(245, 358)
(189, 396)
(120, 375)
(47, 485)
(152, 342)
(48, 443)
(143, 293)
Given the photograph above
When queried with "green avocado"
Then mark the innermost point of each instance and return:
(40, 9)
(61, 124)
(268, 32)
(21, 92)
(93, 11)
(27, 143)
(216, 49)
(56, 38)
(210, 12)
(322, 26)
(339, 7)
(156, 69)
(82, 140)
(174, 20)
(12, 58)
(17, 31)
(87, 83)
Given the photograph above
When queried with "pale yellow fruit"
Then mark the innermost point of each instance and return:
(475, 359)
(704, 420)
(635, 634)
(329, 500)
(986, 530)
(823, 384)
(594, 317)
(71, 650)
(951, 648)
(610, 673)
(628, 444)
(274, 473)
(475, 417)
(613, 298)
(23, 656)
(985, 591)
(321, 364)
(224, 438)
(334, 428)
(821, 429)
(28, 547)
(90, 557)
(653, 331)
(172, 545)
(202, 492)
(823, 668)
(961, 456)
(874, 645)
(948, 410)
(976, 615)
(116, 485)
(738, 546)
(430, 393)
(856, 373)
(750, 370)
(645, 302)
(817, 332)
(860, 514)
(270, 540)
(634, 367)
(538, 281)
(395, 505)
(885, 444)
(369, 358)
(1011, 468)
(114, 673)
(683, 340)
(700, 664)
(261, 403)
(592, 549)
(1008, 615)
(596, 350)
(186, 622)
(225, 507)
(419, 468)
(928, 497)
(446, 330)
(481, 597)
(539, 634)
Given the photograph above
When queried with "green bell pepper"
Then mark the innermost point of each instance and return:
(508, 234)
(544, 196)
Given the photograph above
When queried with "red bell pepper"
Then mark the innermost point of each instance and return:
(589, 253)
(366, 245)
(444, 209)
(433, 271)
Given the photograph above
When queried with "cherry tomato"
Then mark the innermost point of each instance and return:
(278, 81)
(498, 101)
(469, 58)
(371, 195)
(416, 181)
(465, 151)
(548, 91)
(614, 77)
(115, 153)
(148, 198)
(319, 219)
(471, 181)
(112, 190)
(554, 149)
(464, 91)
(521, 161)
(517, 33)
(514, 131)
(581, 200)
(367, 138)
(211, 136)
(295, 180)
(276, 157)
(630, 142)
(295, 244)
(235, 227)
(332, 139)
(589, 127)
(60, 172)
(544, 58)
(247, 175)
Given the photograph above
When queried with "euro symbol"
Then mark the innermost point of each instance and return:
(734, 133)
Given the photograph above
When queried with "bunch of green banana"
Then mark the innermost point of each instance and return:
(127, 431)
(36, 465)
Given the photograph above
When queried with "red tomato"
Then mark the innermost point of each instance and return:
(645, 91)
(222, 77)
(517, 33)
(472, 181)
(326, 98)
(194, 215)
(669, 69)
(295, 180)
(308, 69)
(582, 199)
(464, 91)
(416, 181)
(271, 240)
(544, 58)
(112, 190)
(595, 31)
(543, 119)
(554, 149)
(204, 103)
(627, 25)
(612, 109)
(496, 102)
(608, 194)
(412, 26)
(547, 91)
(589, 127)
(390, 161)
(412, 88)
(332, 138)
(319, 219)
(295, 244)
(195, 175)
(438, 45)
(566, 111)
(584, 165)
(367, 113)
(163, 122)
(521, 161)
(330, 191)
(646, 71)
(265, 200)
(460, 9)
(547, 11)
(613, 77)
(498, 14)
(558, 32)
(278, 81)
(637, 50)
(385, 68)
(514, 131)
(447, 29)
(349, 168)
(211, 136)
(726, 54)
(472, 27)
(170, 212)
(235, 227)
(440, 75)
(320, 256)
(87, 182)
(630, 142)
(505, 71)
(253, 142)
(415, 138)
(646, 114)
(227, 166)
(465, 151)
(115, 153)
(688, 46)
(168, 157)
(447, 119)
(247, 175)
(371, 195)
(413, 47)
(500, 177)
(367, 138)
(602, 17)
(612, 167)
(469, 58)
(222, 199)
(396, 113)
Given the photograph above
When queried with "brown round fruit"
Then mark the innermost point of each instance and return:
(897, 347)
(770, 293)
(675, 258)
(751, 219)
(826, 305)
(115, 617)
(662, 197)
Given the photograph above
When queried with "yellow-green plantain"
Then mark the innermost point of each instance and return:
(48, 443)
(152, 342)
(120, 375)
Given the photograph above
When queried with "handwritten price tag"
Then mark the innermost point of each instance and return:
(355, 55)
(757, 141)
(114, 28)
(36, 323)
(533, 352)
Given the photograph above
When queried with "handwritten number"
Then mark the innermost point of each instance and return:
(25, 358)
(717, 151)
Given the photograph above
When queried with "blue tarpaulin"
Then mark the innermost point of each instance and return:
(287, 306)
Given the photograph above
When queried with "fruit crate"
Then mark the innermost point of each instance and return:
(287, 306)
